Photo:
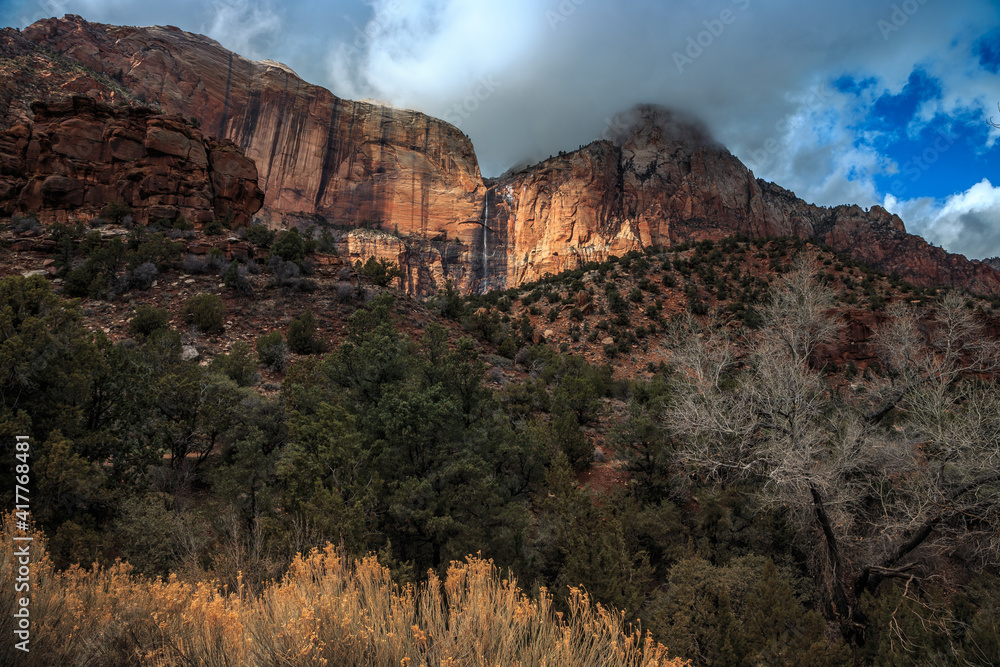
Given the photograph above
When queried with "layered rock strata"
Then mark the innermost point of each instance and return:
(407, 187)
(665, 182)
(79, 155)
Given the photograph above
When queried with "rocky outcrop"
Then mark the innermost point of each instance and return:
(349, 163)
(665, 182)
(404, 186)
(79, 155)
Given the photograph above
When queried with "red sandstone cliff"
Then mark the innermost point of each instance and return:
(351, 163)
(412, 183)
(666, 182)
(78, 155)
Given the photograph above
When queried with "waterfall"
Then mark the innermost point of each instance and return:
(486, 266)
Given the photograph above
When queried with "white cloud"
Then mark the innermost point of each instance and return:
(424, 53)
(244, 26)
(967, 223)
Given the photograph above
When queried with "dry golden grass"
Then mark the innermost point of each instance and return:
(328, 610)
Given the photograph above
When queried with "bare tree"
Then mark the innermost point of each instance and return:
(920, 350)
(871, 500)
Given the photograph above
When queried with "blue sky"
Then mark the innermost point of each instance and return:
(859, 101)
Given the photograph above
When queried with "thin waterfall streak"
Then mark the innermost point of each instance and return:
(486, 265)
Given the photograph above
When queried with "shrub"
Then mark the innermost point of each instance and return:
(236, 279)
(346, 292)
(288, 274)
(635, 295)
(328, 609)
(448, 301)
(238, 365)
(142, 276)
(216, 261)
(272, 351)
(115, 211)
(326, 244)
(290, 246)
(302, 335)
(381, 272)
(155, 248)
(148, 319)
(566, 434)
(21, 224)
(207, 312)
(77, 281)
(616, 302)
(508, 347)
(698, 307)
(181, 224)
(214, 228)
(259, 235)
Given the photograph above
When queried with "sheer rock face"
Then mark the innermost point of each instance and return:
(664, 183)
(409, 185)
(351, 163)
(79, 155)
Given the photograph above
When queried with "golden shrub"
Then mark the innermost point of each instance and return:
(327, 610)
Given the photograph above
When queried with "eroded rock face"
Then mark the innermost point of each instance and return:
(351, 163)
(79, 155)
(665, 182)
(415, 179)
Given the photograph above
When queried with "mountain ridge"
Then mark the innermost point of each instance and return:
(354, 164)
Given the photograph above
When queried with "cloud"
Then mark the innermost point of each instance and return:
(967, 223)
(249, 28)
(565, 67)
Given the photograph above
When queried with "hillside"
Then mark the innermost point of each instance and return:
(215, 452)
